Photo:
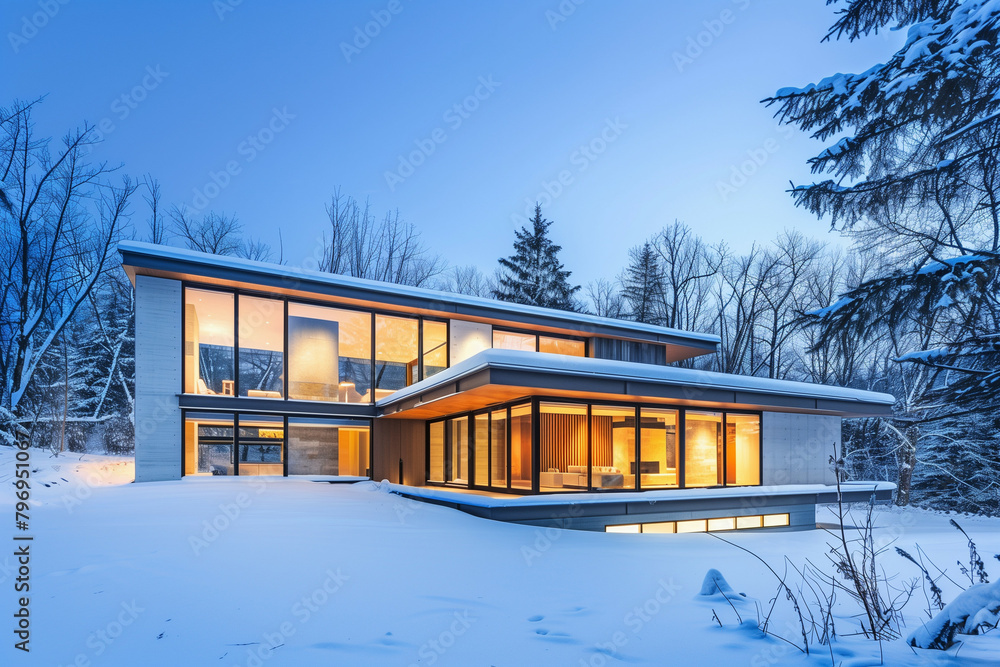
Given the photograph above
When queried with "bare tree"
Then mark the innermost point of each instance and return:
(362, 246)
(466, 280)
(60, 225)
(605, 298)
(217, 234)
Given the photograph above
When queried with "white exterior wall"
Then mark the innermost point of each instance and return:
(158, 360)
(797, 448)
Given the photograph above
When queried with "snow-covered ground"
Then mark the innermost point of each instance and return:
(288, 572)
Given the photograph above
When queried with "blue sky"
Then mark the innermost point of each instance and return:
(613, 114)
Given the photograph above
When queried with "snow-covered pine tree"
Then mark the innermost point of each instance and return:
(915, 170)
(533, 275)
(642, 285)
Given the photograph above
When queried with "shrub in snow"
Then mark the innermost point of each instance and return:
(973, 611)
(119, 436)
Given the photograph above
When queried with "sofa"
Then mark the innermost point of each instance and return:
(604, 477)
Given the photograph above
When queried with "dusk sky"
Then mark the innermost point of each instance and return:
(459, 114)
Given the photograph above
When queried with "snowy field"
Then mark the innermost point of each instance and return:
(284, 572)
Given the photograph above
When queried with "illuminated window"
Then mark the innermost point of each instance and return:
(520, 447)
(261, 445)
(319, 446)
(612, 447)
(208, 342)
(498, 449)
(396, 342)
(481, 443)
(262, 347)
(659, 449)
(623, 528)
(726, 523)
(703, 448)
(209, 444)
(436, 442)
(329, 354)
(660, 527)
(774, 520)
(567, 346)
(509, 340)
(563, 447)
(742, 449)
(457, 450)
(693, 526)
(749, 522)
(435, 351)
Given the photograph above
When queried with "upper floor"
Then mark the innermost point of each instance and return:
(260, 330)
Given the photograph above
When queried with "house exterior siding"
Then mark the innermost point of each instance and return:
(158, 361)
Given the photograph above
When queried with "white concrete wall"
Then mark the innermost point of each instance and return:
(797, 448)
(158, 360)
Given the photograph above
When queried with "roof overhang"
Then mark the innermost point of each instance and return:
(179, 264)
(500, 376)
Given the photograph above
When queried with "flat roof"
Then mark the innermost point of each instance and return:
(496, 376)
(178, 263)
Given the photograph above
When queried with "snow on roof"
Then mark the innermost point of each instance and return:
(632, 371)
(583, 498)
(298, 273)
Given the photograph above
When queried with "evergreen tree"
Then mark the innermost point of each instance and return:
(642, 285)
(533, 275)
(915, 171)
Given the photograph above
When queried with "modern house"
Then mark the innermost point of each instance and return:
(511, 412)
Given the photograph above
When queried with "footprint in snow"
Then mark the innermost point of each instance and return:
(535, 619)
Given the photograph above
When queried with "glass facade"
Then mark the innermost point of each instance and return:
(253, 444)
(262, 347)
(329, 354)
(322, 446)
(583, 446)
(659, 449)
(239, 344)
(209, 341)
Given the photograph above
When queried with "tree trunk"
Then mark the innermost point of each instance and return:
(907, 460)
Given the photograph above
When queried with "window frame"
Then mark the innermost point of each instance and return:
(536, 401)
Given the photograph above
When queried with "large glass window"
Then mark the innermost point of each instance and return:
(396, 352)
(658, 455)
(703, 448)
(262, 347)
(510, 340)
(318, 446)
(261, 445)
(742, 449)
(208, 342)
(457, 448)
(481, 444)
(520, 447)
(567, 346)
(435, 340)
(563, 449)
(498, 449)
(208, 444)
(435, 464)
(329, 354)
(612, 452)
